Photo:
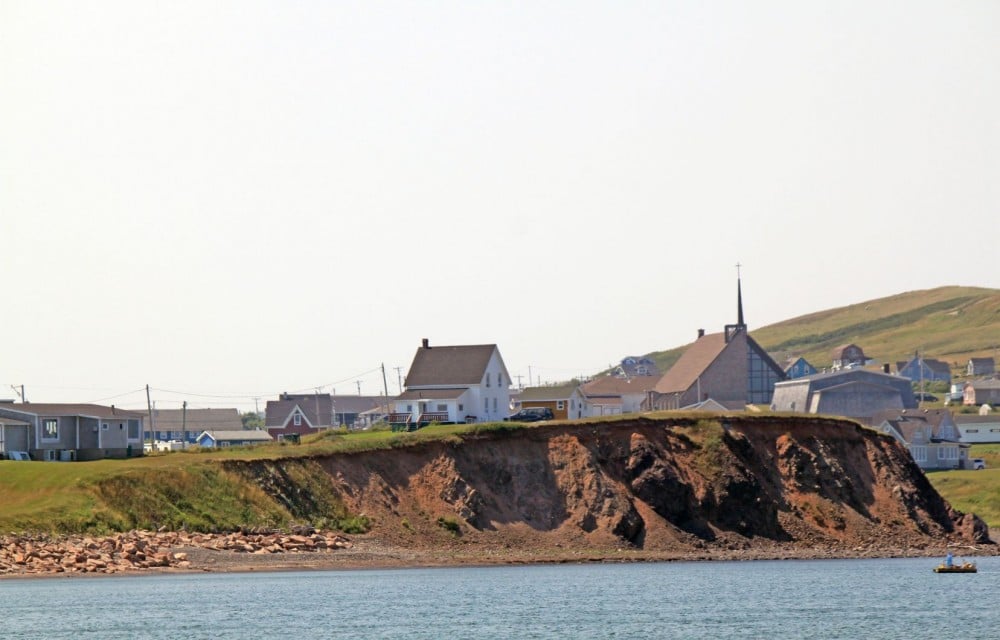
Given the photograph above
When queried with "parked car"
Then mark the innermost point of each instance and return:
(925, 397)
(978, 463)
(531, 414)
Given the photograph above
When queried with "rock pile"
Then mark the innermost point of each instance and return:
(145, 550)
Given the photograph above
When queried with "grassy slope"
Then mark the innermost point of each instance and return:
(191, 489)
(974, 491)
(947, 323)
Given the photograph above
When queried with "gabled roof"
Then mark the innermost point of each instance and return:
(933, 365)
(708, 405)
(196, 419)
(450, 365)
(536, 394)
(692, 363)
(60, 409)
(317, 410)
(838, 352)
(614, 386)
(908, 426)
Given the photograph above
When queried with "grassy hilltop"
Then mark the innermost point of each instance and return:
(951, 324)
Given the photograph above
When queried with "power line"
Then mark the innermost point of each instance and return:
(127, 393)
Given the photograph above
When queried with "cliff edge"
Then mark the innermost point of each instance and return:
(655, 484)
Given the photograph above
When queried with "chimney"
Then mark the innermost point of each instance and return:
(426, 343)
(701, 333)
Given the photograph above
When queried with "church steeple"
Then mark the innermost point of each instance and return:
(739, 298)
(733, 329)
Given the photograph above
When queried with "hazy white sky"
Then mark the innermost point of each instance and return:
(234, 199)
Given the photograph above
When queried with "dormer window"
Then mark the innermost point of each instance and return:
(297, 419)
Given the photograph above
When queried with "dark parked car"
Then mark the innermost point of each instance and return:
(925, 397)
(531, 414)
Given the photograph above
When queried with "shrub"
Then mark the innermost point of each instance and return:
(449, 524)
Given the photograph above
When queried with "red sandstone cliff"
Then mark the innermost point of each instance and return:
(660, 485)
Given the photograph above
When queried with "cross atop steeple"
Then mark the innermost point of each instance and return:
(733, 329)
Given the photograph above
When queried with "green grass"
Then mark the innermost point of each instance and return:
(198, 489)
(974, 491)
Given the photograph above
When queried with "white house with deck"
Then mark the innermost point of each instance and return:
(463, 383)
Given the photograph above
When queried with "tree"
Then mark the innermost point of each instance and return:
(252, 420)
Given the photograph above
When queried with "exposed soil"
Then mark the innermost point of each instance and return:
(757, 487)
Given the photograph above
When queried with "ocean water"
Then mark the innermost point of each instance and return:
(763, 599)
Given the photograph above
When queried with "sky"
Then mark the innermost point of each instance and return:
(227, 200)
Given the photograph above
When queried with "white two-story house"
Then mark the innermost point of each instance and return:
(465, 383)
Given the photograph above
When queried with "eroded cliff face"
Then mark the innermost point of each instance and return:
(655, 484)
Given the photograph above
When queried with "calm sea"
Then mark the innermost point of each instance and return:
(795, 599)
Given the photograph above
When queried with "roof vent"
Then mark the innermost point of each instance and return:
(701, 333)
(426, 343)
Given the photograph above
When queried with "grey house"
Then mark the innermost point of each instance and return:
(981, 367)
(928, 369)
(931, 437)
(853, 393)
(77, 431)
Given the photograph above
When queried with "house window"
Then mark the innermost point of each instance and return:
(297, 419)
(487, 378)
(494, 404)
(133, 429)
(104, 426)
(560, 404)
(919, 453)
(50, 429)
(972, 430)
(409, 408)
(461, 407)
(442, 407)
(486, 404)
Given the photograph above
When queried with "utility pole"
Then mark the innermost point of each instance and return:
(317, 410)
(152, 422)
(358, 382)
(519, 385)
(529, 375)
(399, 377)
(385, 387)
(184, 421)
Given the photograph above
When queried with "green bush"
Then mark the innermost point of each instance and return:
(449, 524)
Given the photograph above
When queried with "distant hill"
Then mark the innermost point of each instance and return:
(951, 324)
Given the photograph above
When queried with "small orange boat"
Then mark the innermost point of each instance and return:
(965, 567)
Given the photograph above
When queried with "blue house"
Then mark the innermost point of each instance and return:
(798, 368)
(920, 368)
(233, 438)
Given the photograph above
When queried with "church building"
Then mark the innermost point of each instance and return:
(728, 367)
